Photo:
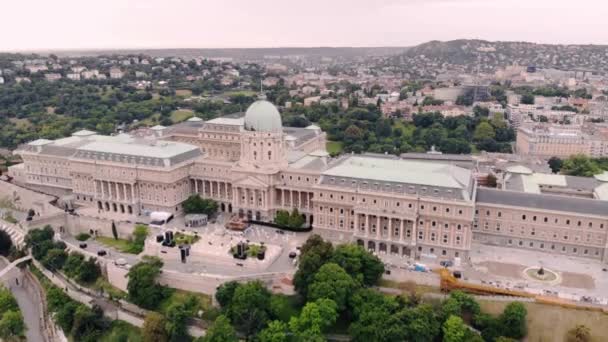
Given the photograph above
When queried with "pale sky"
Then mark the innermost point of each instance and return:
(90, 24)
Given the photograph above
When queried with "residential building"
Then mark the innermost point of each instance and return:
(548, 140)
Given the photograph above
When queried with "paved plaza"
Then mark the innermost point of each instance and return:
(505, 267)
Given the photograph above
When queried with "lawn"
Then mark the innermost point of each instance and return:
(118, 244)
(408, 286)
(550, 322)
(183, 92)
(181, 238)
(122, 331)
(239, 92)
(334, 147)
(133, 246)
(181, 115)
(179, 296)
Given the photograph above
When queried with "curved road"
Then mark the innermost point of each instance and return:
(31, 308)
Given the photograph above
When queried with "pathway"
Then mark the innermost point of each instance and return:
(31, 308)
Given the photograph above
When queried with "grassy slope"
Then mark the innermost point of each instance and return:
(548, 323)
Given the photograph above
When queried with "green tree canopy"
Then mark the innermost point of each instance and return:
(222, 331)
(249, 309)
(580, 165)
(143, 288)
(197, 205)
(314, 253)
(513, 320)
(332, 282)
(154, 328)
(454, 330)
(359, 263)
(484, 131)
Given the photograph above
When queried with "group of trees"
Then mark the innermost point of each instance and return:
(12, 327)
(53, 110)
(53, 255)
(578, 165)
(77, 320)
(363, 129)
(145, 291)
(294, 220)
(197, 205)
(335, 285)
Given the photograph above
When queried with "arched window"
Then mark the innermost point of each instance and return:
(269, 155)
(255, 155)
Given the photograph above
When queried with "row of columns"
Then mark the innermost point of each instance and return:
(213, 189)
(250, 198)
(402, 226)
(114, 191)
(295, 199)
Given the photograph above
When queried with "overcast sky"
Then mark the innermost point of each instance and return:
(89, 24)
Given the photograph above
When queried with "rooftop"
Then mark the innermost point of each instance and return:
(402, 171)
(542, 201)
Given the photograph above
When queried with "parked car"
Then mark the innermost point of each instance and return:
(292, 255)
(83, 245)
(102, 252)
(446, 263)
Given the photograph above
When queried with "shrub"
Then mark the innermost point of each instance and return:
(83, 237)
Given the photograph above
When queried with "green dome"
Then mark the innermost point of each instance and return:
(263, 116)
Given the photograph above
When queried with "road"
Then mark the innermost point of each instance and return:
(31, 308)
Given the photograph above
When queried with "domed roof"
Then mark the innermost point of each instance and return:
(263, 116)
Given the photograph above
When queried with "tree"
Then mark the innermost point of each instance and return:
(484, 131)
(295, 219)
(491, 181)
(332, 282)
(580, 165)
(454, 329)
(359, 263)
(54, 259)
(249, 309)
(225, 292)
(489, 326)
(555, 164)
(7, 301)
(527, 99)
(513, 320)
(87, 323)
(88, 271)
(5, 243)
(222, 331)
(353, 133)
(11, 325)
(64, 314)
(580, 333)
(154, 328)
(176, 324)
(197, 205)
(282, 218)
(315, 317)
(314, 253)
(142, 285)
(276, 331)
(114, 231)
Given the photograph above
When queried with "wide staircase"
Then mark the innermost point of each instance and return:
(17, 235)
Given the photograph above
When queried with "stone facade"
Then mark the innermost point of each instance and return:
(253, 167)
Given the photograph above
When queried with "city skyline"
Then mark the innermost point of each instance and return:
(269, 23)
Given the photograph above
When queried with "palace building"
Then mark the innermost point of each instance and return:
(253, 166)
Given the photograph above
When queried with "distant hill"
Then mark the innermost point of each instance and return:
(244, 54)
(467, 52)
